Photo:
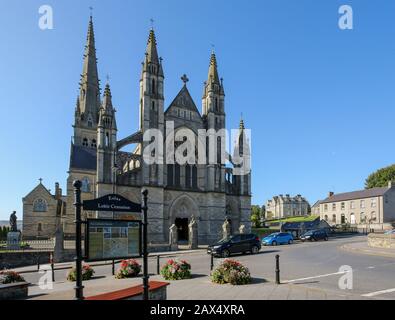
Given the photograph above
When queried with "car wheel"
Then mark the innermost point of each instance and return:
(274, 243)
(254, 250)
(225, 253)
(326, 239)
(290, 242)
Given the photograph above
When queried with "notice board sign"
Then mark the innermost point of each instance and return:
(111, 202)
(112, 239)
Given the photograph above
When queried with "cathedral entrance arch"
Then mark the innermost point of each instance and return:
(181, 212)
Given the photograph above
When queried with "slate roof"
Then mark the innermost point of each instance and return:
(368, 193)
(83, 158)
(183, 100)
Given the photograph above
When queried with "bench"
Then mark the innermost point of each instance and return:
(157, 291)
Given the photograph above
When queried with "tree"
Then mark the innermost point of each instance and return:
(381, 177)
(256, 216)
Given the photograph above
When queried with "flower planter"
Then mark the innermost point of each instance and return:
(232, 272)
(14, 291)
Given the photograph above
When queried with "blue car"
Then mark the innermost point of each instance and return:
(278, 238)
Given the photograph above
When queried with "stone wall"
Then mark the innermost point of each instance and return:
(381, 241)
(10, 260)
(13, 291)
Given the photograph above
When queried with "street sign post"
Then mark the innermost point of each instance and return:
(110, 239)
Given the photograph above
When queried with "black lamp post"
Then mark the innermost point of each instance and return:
(145, 250)
(78, 259)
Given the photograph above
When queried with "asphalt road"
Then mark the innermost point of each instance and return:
(315, 265)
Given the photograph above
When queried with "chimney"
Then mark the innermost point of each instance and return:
(391, 184)
(330, 194)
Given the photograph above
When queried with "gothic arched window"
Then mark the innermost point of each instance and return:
(85, 142)
(39, 227)
(86, 185)
(40, 205)
(93, 144)
(153, 86)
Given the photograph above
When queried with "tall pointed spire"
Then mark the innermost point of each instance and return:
(213, 77)
(107, 111)
(152, 52)
(89, 84)
(107, 98)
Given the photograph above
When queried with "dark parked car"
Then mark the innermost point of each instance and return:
(240, 243)
(314, 235)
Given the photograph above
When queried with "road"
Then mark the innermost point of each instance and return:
(314, 265)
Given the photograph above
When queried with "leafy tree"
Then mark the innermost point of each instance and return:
(256, 216)
(381, 177)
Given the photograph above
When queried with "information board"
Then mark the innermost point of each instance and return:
(112, 239)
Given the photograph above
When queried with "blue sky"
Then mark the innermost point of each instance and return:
(319, 101)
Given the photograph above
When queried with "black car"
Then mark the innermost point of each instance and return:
(240, 243)
(314, 235)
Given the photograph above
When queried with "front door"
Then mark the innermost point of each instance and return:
(182, 229)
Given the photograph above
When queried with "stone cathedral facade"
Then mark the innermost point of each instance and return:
(209, 192)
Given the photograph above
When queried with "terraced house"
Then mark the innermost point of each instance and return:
(371, 208)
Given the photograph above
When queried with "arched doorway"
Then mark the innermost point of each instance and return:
(181, 212)
(182, 229)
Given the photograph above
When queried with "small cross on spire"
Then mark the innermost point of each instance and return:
(91, 10)
(108, 78)
(184, 79)
(212, 48)
(41, 180)
(152, 23)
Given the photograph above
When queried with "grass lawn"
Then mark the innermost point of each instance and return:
(295, 219)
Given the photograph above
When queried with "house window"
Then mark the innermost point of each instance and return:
(362, 204)
(326, 217)
(352, 205)
(374, 216)
(334, 218)
(343, 205)
(39, 227)
(333, 206)
(325, 207)
(374, 203)
(40, 205)
(362, 217)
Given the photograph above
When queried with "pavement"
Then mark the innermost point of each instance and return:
(311, 271)
(363, 248)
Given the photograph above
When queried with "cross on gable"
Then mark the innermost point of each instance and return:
(184, 79)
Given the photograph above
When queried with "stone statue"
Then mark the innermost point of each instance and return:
(14, 236)
(173, 237)
(13, 222)
(226, 229)
(193, 234)
(242, 229)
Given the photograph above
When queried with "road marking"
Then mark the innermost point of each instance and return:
(377, 293)
(315, 277)
(371, 267)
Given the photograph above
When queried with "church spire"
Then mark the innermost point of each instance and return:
(89, 98)
(213, 77)
(152, 52)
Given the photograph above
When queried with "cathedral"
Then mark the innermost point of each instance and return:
(211, 193)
